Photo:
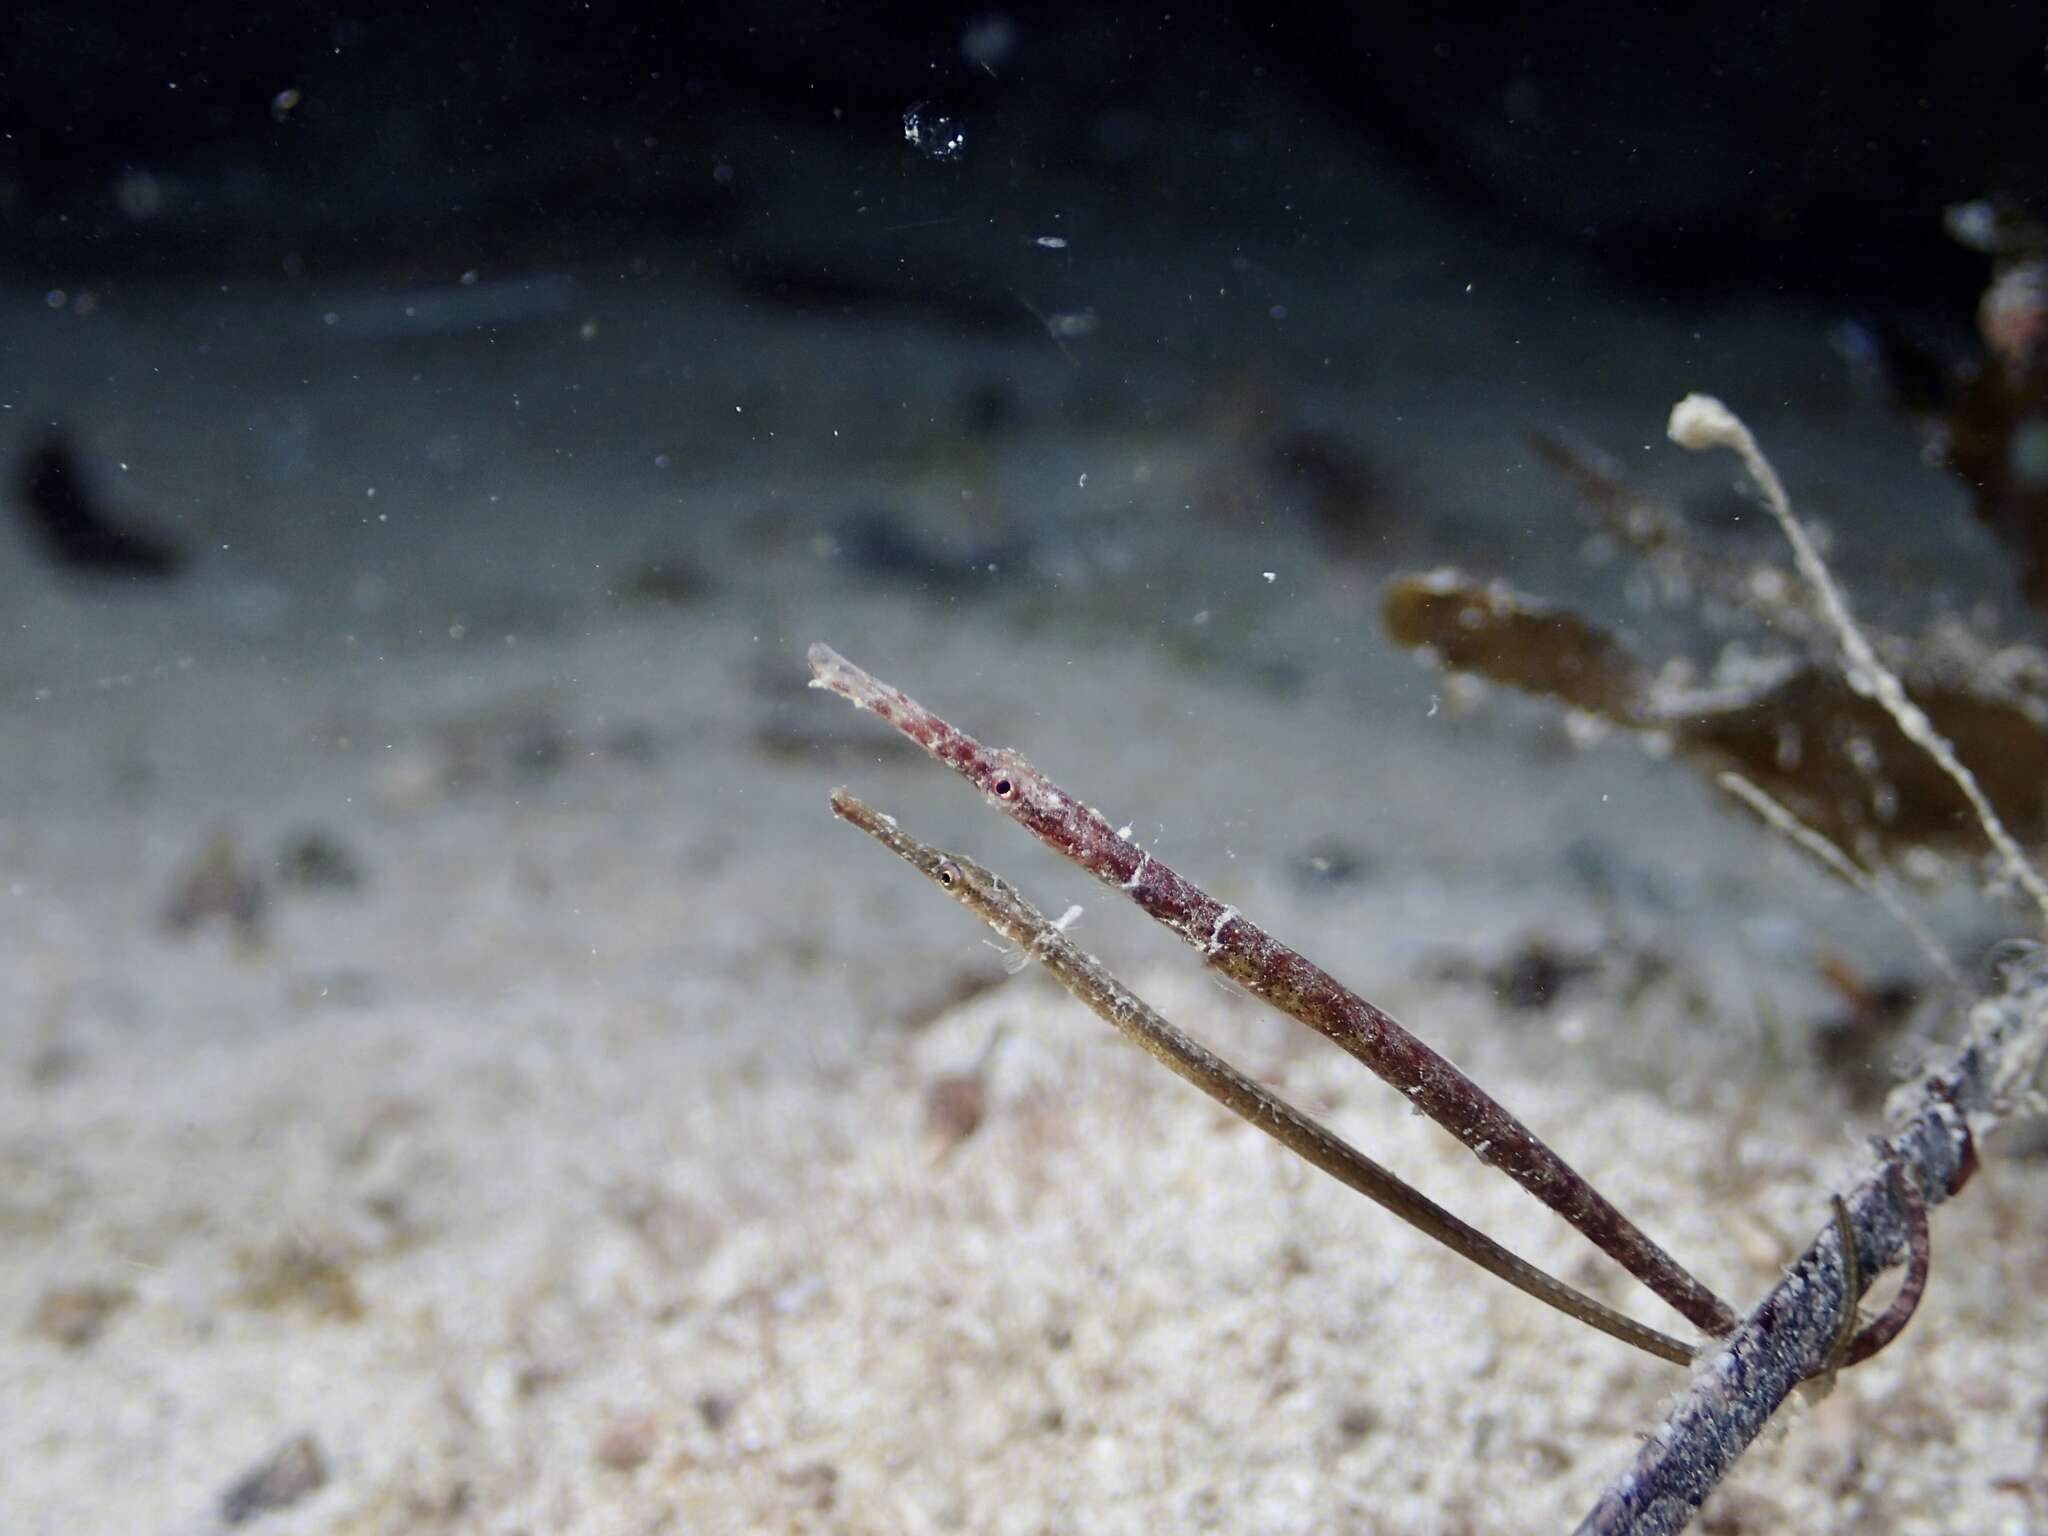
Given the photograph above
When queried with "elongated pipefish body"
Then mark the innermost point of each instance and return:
(1000, 905)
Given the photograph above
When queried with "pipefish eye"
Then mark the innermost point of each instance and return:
(949, 874)
(1005, 787)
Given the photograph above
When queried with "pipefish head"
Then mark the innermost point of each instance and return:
(967, 882)
(961, 878)
(992, 899)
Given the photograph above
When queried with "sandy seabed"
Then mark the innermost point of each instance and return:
(577, 1168)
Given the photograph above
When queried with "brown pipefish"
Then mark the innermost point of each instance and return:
(1000, 905)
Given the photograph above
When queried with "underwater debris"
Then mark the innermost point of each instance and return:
(75, 1315)
(933, 132)
(287, 1475)
(1994, 434)
(716, 1409)
(1509, 638)
(1793, 727)
(1797, 1330)
(300, 1275)
(1530, 977)
(627, 1441)
(218, 884)
(817, 1482)
(1808, 1328)
(73, 529)
(954, 1107)
(957, 1102)
(1843, 767)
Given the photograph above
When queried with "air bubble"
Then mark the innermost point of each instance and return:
(934, 134)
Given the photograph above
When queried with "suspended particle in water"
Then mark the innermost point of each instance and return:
(932, 133)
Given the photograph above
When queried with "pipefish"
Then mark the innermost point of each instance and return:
(1005, 909)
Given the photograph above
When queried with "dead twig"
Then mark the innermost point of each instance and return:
(1793, 1330)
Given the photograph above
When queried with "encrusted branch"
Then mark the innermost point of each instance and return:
(1792, 1333)
(1796, 1330)
(1287, 980)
